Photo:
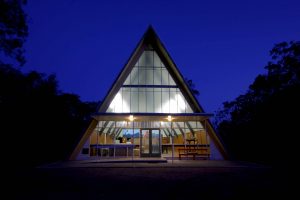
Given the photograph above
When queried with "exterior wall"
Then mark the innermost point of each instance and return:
(214, 152)
(201, 136)
(82, 156)
(153, 85)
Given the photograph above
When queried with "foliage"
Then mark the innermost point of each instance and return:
(192, 86)
(13, 29)
(38, 122)
(260, 125)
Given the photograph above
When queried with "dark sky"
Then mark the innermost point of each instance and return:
(221, 45)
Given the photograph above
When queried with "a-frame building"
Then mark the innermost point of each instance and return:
(150, 112)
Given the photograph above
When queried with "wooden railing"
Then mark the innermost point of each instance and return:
(202, 152)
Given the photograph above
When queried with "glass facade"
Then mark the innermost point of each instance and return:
(149, 88)
(116, 128)
(149, 70)
(124, 138)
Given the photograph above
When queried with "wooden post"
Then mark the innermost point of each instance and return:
(172, 144)
(206, 138)
(132, 139)
(97, 132)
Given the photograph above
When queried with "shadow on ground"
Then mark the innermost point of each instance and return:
(152, 182)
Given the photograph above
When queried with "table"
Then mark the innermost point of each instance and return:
(200, 152)
(112, 146)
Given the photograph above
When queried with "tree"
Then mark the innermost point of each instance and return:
(13, 30)
(39, 123)
(192, 86)
(259, 125)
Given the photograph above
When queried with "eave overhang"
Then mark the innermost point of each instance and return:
(163, 117)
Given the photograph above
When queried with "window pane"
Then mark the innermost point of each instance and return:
(157, 76)
(136, 64)
(116, 104)
(165, 77)
(171, 81)
(134, 76)
(177, 131)
(199, 125)
(181, 103)
(149, 58)
(157, 62)
(157, 100)
(173, 101)
(134, 89)
(126, 100)
(110, 109)
(150, 100)
(157, 89)
(149, 76)
(180, 124)
(142, 101)
(188, 108)
(134, 102)
(127, 81)
(165, 102)
(142, 60)
(192, 124)
(142, 76)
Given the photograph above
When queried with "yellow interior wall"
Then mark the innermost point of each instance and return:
(166, 140)
(101, 139)
(179, 139)
(93, 138)
(202, 137)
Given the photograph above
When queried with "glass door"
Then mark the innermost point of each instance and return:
(150, 143)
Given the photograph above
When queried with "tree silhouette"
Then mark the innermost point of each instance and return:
(192, 86)
(13, 29)
(260, 124)
(38, 122)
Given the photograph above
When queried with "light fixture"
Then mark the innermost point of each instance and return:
(131, 118)
(169, 118)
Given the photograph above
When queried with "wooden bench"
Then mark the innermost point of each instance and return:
(199, 152)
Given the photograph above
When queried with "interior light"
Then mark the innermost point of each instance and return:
(131, 118)
(169, 118)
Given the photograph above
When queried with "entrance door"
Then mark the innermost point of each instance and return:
(150, 143)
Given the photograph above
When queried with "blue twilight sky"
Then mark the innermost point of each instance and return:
(222, 45)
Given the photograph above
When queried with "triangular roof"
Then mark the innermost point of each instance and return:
(150, 40)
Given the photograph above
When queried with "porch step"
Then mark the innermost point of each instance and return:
(128, 160)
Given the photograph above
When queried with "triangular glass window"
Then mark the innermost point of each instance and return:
(149, 70)
(149, 88)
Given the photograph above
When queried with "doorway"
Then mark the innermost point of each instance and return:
(150, 143)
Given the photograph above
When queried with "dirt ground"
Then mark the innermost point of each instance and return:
(151, 183)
